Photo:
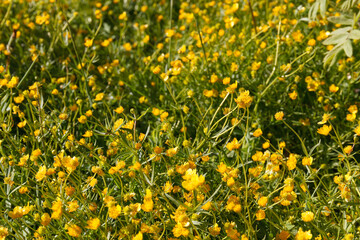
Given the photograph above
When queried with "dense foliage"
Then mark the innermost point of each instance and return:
(230, 119)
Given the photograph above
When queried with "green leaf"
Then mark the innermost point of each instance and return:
(314, 147)
(348, 48)
(313, 10)
(341, 30)
(177, 203)
(323, 4)
(342, 19)
(330, 57)
(354, 34)
(289, 226)
(336, 39)
(5, 103)
(348, 4)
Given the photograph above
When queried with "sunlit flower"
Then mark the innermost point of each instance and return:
(279, 116)
(307, 216)
(93, 223)
(324, 130)
(74, 230)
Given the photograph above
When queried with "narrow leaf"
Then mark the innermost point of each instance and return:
(343, 20)
(336, 39)
(354, 34)
(348, 48)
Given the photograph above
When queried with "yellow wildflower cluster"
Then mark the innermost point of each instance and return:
(179, 119)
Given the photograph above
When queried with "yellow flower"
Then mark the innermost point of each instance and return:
(117, 124)
(230, 182)
(57, 209)
(169, 33)
(114, 211)
(45, 219)
(325, 118)
(88, 134)
(226, 80)
(106, 42)
(255, 66)
(284, 235)
(82, 119)
(353, 109)
(231, 232)
(99, 96)
(13, 82)
(123, 16)
(312, 42)
(88, 42)
(18, 211)
(138, 236)
(55, 92)
(157, 70)
(257, 133)
(35, 154)
(209, 93)
(156, 111)
(307, 216)
(324, 130)
(244, 100)
(168, 187)
(192, 180)
(233, 204)
(348, 236)
(3, 232)
(262, 201)
(234, 144)
(148, 204)
(348, 149)
(63, 116)
(163, 116)
(333, 88)
(93, 223)
(222, 168)
(234, 67)
(266, 145)
(23, 190)
(206, 206)
(307, 161)
(279, 116)
(74, 230)
(285, 68)
(260, 215)
(127, 47)
(179, 230)
(40, 175)
(351, 117)
(291, 162)
(119, 110)
(293, 95)
(215, 230)
(7, 180)
(301, 235)
(22, 124)
(73, 206)
(182, 49)
(88, 113)
(19, 99)
(297, 36)
(171, 152)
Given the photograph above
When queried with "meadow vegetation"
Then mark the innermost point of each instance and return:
(162, 119)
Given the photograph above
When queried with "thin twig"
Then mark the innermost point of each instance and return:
(252, 15)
